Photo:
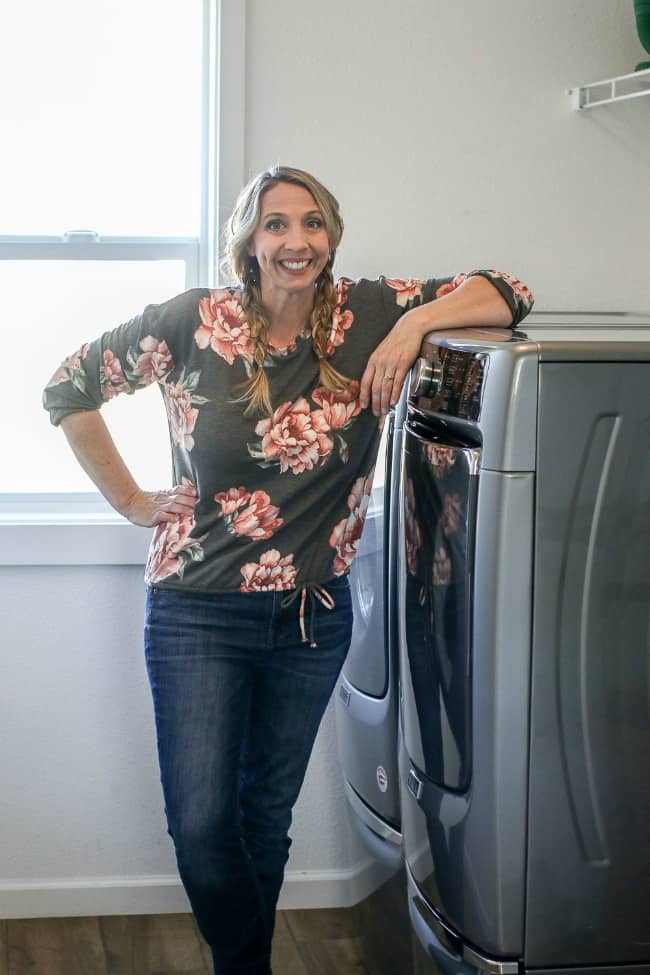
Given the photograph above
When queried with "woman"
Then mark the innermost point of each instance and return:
(273, 389)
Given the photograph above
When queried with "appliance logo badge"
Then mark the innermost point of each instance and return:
(382, 778)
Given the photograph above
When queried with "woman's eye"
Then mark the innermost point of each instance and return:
(273, 224)
(314, 223)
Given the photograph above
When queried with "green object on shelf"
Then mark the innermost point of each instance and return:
(642, 14)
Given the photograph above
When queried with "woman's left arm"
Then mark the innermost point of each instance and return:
(475, 302)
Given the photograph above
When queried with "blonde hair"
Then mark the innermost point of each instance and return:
(240, 266)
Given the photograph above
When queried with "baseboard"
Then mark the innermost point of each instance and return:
(93, 897)
(331, 888)
(96, 897)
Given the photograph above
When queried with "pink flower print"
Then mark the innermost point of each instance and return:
(522, 291)
(70, 366)
(441, 568)
(155, 362)
(232, 499)
(258, 519)
(273, 571)
(342, 286)
(181, 414)
(112, 378)
(338, 410)
(338, 407)
(341, 322)
(346, 534)
(441, 458)
(248, 514)
(294, 437)
(172, 548)
(412, 534)
(452, 506)
(446, 289)
(224, 327)
(407, 290)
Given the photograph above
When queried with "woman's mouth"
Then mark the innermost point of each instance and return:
(295, 267)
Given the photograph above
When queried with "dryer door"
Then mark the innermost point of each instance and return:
(366, 704)
(366, 665)
(438, 509)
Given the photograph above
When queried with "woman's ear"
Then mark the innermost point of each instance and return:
(250, 248)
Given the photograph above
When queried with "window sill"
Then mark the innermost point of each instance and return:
(81, 530)
(73, 543)
(84, 530)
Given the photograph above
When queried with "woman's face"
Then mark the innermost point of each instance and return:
(290, 242)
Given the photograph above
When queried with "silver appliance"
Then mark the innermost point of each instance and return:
(366, 718)
(366, 703)
(523, 602)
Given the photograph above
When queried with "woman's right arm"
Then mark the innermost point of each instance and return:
(149, 348)
(95, 450)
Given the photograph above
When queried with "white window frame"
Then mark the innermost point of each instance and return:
(82, 529)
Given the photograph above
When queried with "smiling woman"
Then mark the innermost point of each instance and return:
(290, 246)
(274, 389)
(281, 244)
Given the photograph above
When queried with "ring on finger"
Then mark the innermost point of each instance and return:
(388, 379)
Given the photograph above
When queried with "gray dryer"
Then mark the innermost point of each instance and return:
(524, 622)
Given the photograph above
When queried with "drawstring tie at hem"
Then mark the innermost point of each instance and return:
(315, 592)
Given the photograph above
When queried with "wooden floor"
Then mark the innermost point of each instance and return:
(314, 942)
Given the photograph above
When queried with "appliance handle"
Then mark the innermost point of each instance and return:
(471, 455)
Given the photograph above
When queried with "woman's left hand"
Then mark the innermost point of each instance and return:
(388, 365)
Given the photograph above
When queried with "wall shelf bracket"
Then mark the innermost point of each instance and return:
(626, 86)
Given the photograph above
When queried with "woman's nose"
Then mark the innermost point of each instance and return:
(295, 238)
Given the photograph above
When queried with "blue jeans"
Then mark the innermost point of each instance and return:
(238, 698)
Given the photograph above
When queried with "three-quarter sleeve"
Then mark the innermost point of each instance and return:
(402, 294)
(517, 295)
(143, 350)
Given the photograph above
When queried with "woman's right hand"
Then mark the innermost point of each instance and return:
(94, 449)
(149, 508)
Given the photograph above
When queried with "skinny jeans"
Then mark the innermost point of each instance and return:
(238, 697)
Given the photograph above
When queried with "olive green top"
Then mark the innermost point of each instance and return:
(282, 498)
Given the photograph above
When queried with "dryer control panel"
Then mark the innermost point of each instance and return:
(448, 381)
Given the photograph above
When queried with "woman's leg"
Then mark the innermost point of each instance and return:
(289, 697)
(201, 653)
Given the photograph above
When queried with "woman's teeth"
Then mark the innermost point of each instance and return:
(295, 265)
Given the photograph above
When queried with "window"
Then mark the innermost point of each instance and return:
(111, 188)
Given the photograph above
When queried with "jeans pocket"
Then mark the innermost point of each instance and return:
(338, 584)
(340, 591)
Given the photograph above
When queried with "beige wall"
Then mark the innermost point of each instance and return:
(446, 132)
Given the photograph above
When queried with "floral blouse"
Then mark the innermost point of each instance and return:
(281, 499)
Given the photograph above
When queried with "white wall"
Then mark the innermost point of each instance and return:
(83, 830)
(446, 132)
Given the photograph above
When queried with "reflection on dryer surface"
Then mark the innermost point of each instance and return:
(438, 497)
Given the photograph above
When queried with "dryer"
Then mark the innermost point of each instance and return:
(523, 552)
(366, 702)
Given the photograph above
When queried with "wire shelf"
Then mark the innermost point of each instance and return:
(626, 86)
